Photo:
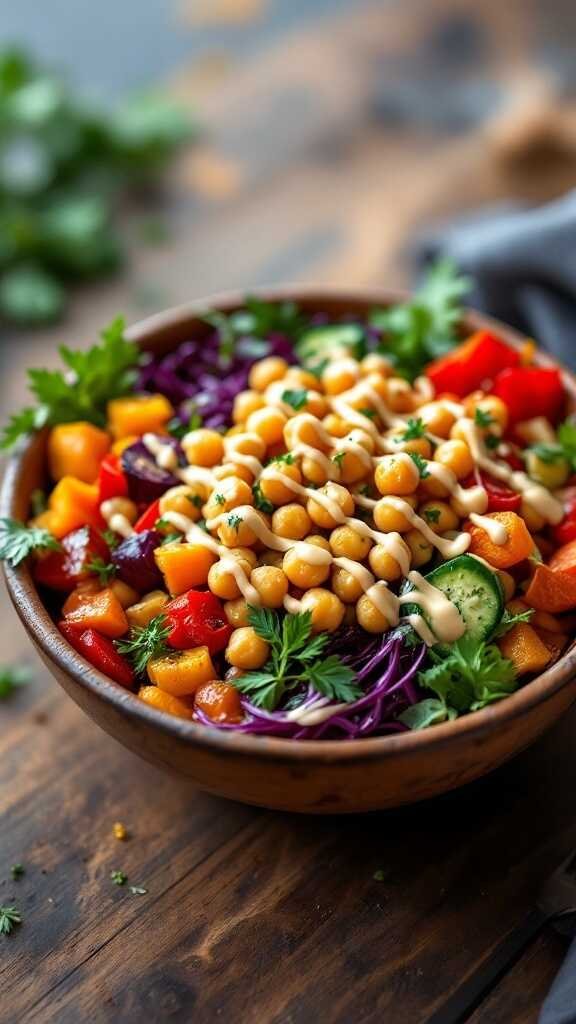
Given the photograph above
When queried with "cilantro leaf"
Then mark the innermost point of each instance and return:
(468, 675)
(17, 541)
(146, 642)
(429, 711)
(296, 397)
(262, 688)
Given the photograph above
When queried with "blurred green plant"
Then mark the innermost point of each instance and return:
(63, 167)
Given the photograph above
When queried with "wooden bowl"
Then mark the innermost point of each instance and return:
(307, 776)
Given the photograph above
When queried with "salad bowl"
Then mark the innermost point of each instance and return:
(309, 776)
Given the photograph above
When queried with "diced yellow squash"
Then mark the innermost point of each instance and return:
(184, 565)
(148, 608)
(183, 672)
(77, 449)
(138, 414)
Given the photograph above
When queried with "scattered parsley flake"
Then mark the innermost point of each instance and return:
(17, 871)
(219, 499)
(338, 458)
(260, 502)
(17, 541)
(483, 418)
(432, 515)
(414, 429)
(380, 875)
(370, 413)
(286, 457)
(111, 538)
(492, 441)
(296, 397)
(234, 521)
(420, 463)
(9, 918)
(195, 499)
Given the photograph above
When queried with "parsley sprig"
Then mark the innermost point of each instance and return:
(146, 642)
(17, 541)
(82, 390)
(295, 659)
(414, 428)
(465, 677)
(9, 918)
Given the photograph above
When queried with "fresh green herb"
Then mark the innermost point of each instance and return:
(317, 369)
(17, 871)
(179, 430)
(467, 676)
(295, 659)
(146, 642)
(492, 441)
(111, 538)
(17, 541)
(414, 428)
(415, 332)
(234, 521)
(162, 524)
(509, 620)
(82, 391)
(248, 329)
(105, 571)
(38, 502)
(548, 453)
(380, 875)
(9, 918)
(195, 499)
(170, 538)
(119, 877)
(431, 515)
(420, 463)
(219, 499)
(286, 458)
(296, 397)
(138, 890)
(260, 502)
(365, 490)
(483, 418)
(370, 413)
(11, 678)
(338, 458)
(563, 449)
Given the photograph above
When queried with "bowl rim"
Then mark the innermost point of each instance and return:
(48, 639)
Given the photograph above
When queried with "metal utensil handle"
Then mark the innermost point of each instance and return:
(470, 994)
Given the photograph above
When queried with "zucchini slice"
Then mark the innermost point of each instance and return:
(474, 589)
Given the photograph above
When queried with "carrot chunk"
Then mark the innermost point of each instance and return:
(551, 591)
(77, 449)
(518, 546)
(564, 559)
(102, 612)
(525, 649)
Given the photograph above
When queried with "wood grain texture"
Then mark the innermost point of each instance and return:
(254, 916)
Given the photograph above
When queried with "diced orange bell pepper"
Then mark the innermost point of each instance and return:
(564, 559)
(184, 566)
(183, 672)
(138, 414)
(164, 702)
(525, 649)
(518, 546)
(77, 449)
(555, 642)
(102, 612)
(219, 701)
(72, 503)
(551, 591)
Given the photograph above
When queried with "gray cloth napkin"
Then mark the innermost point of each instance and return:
(523, 265)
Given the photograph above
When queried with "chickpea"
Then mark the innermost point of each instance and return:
(396, 474)
(314, 471)
(389, 519)
(370, 617)
(265, 371)
(273, 489)
(336, 495)
(326, 609)
(375, 363)
(186, 500)
(271, 584)
(490, 405)
(222, 582)
(233, 469)
(245, 444)
(534, 521)
(303, 573)
(335, 425)
(400, 395)
(246, 650)
(296, 377)
(420, 445)
(203, 447)
(420, 548)
(245, 403)
(345, 585)
(456, 456)
(316, 404)
(352, 466)
(383, 564)
(304, 429)
(230, 493)
(345, 542)
(340, 376)
(119, 507)
(439, 516)
(268, 423)
(270, 557)
(236, 612)
(291, 521)
(234, 531)
(437, 418)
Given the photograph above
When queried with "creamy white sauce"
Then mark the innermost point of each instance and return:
(496, 531)
(114, 519)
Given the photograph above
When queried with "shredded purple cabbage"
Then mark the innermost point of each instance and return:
(385, 668)
(196, 378)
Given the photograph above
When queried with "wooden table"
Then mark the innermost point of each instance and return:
(313, 166)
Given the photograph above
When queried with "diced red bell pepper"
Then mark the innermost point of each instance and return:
(530, 391)
(65, 569)
(148, 518)
(500, 497)
(565, 531)
(112, 482)
(197, 619)
(473, 364)
(100, 652)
